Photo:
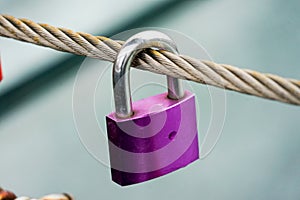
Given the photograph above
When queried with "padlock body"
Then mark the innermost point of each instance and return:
(159, 138)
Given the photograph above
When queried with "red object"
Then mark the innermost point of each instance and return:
(6, 195)
(0, 71)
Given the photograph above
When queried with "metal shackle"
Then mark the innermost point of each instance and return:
(121, 69)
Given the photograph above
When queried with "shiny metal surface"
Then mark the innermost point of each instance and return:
(121, 69)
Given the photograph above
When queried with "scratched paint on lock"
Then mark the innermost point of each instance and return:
(137, 159)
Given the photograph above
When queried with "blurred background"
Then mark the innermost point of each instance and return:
(257, 156)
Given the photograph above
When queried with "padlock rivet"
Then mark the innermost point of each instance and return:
(172, 135)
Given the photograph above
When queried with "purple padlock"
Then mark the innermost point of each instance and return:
(153, 136)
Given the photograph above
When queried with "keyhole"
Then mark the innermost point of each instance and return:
(172, 135)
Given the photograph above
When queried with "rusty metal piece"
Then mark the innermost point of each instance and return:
(7, 195)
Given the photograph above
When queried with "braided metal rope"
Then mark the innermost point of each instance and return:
(48, 197)
(221, 75)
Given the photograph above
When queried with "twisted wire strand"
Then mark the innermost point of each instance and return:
(162, 62)
(48, 197)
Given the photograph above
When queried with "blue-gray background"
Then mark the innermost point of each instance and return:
(257, 156)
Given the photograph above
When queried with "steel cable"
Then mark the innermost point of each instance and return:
(180, 66)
